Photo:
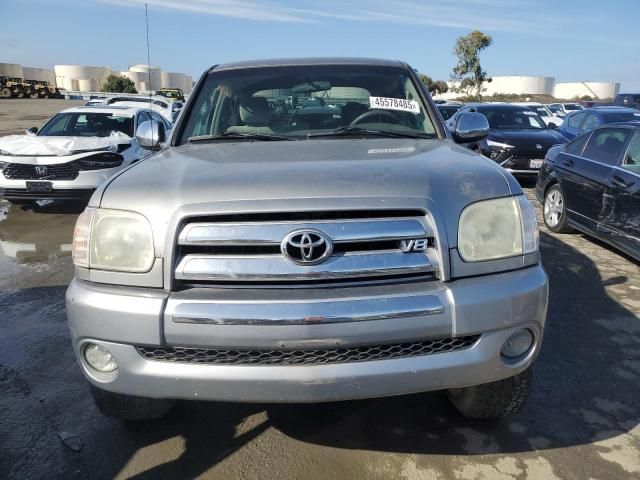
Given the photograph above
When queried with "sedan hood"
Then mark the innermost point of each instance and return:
(317, 174)
(528, 140)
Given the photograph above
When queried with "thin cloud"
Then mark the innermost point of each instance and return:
(491, 15)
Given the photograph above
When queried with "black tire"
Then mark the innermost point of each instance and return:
(551, 220)
(34, 95)
(5, 92)
(493, 400)
(128, 407)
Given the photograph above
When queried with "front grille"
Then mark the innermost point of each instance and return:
(19, 171)
(250, 248)
(521, 162)
(204, 356)
(66, 194)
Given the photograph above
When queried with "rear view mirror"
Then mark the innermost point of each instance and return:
(150, 135)
(470, 127)
(309, 87)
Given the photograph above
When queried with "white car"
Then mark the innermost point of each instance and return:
(542, 111)
(74, 152)
(563, 109)
(156, 103)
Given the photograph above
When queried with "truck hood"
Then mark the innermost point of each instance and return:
(319, 174)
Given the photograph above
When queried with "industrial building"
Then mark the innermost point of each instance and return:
(532, 85)
(81, 78)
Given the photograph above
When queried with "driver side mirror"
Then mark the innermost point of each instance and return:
(552, 125)
(470, 127)
(151, 134)
(31, 131)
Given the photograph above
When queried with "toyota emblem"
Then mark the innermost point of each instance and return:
(306, 247)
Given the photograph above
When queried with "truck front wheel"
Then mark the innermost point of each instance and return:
(493, 400)
(128, 407)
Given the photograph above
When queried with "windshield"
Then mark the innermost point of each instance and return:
(503, 119)
(540, 110)
(301, 101)
(81, 124)
(447, 111)
(615, 117)
(572, 106)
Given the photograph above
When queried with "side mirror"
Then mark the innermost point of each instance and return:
(552, 125)
(31, 131)
(151, 134)
(470, 127)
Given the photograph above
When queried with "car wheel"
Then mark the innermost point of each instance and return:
(128, 407)
(554, 210)
(493, 400)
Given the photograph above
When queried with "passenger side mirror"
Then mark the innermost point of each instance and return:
(470, 127)
(31, 131)
(151, 134)
(552, 125)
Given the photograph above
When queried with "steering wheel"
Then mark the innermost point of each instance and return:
(376, 113)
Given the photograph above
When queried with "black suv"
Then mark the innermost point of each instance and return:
(631, 100)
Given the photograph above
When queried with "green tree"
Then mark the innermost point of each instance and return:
(438, 86)
(118, 84)
(468, 73)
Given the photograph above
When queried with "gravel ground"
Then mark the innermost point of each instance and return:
(582, 421)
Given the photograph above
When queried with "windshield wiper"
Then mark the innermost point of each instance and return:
(237, 136)
(353, 130)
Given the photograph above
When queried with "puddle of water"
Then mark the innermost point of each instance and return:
(34, 236)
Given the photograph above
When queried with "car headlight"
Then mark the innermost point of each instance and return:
(498, 228)
(2, 165)
(116, 240)
(499, 145)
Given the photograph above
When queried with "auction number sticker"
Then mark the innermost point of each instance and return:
(401, 104)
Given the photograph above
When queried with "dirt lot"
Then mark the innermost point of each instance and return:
(582, 421)
(17, 114)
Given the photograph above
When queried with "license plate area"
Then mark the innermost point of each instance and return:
(39, 187)
(535, 163)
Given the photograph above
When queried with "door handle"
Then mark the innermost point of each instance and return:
(567, 162)
(619, 182)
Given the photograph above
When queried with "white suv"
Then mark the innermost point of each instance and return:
(74, 152)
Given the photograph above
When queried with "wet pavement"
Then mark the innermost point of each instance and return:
(582, 420)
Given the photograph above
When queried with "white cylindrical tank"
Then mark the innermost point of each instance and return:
(39, 75)
(174, 80)
(11, 70)
(519, 84)
(88, 85)
(153, 75)
(596, 90)
(67, 75)
(188, 84)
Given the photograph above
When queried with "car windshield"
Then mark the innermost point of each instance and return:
(299, 102)
(88, 124)
(540, 110)
(572, 106)
(448, 111)
(615, 117)
(507, 118)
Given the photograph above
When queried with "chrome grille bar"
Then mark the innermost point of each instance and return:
(272, 233)
(277, 268)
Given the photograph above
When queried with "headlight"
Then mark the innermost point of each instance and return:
(498, 228)
(115, 240)
(498, 145)
(2, 165)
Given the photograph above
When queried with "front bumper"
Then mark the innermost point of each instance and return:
(495, 306)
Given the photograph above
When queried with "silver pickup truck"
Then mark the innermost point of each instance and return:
(311, 232)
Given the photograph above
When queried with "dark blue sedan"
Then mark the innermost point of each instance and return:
(581, 121)
(592, 184)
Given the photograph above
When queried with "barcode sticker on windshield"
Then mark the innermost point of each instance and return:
(121, 114)
(401, 104)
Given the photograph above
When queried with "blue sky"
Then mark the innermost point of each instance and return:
(572, 40)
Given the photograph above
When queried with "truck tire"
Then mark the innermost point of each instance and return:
(34, 95)
(5, 92)
(129, 407)
(554, 210)
(493, 400)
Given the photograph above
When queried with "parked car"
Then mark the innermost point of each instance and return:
(592, 184)
(259, 261)
(158, 104)
(577, 123)
(631, 100)
(73, 153)
(447, 110)
(518, 138)
(95, 102)
(563, 109)
(172, 94)
(543, 112)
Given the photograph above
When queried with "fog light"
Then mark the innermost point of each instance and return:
(517, 344)
(100, 358)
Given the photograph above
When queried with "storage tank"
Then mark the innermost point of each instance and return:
(174, 80)
(519, 84)
(152, 75)
(39, 75)
(188, 84)
(11, 70)
(87, 85)
(69, 75)
(596, 90)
